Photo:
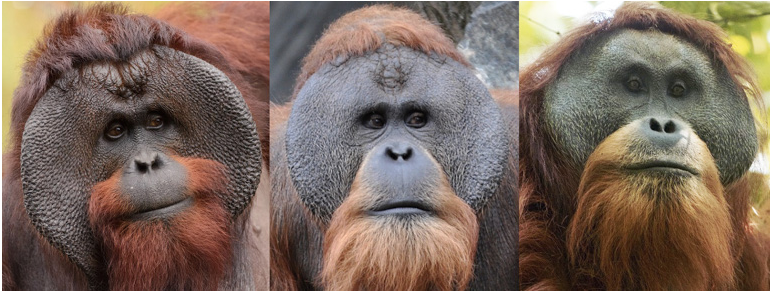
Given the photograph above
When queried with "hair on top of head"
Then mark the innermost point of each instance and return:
(81, 36)
(534, 78)
(641, 16)
(368, 29)
(107, 32)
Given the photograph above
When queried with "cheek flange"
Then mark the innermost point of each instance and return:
(323, 161)
(60, 165)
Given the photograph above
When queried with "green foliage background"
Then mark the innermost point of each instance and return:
(23, 24)
(747, 24)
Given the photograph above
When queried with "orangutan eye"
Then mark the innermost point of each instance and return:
(677, 90)
(375, 121)
(416, 120)
(115, 131)
(634, 84)
(155, 122)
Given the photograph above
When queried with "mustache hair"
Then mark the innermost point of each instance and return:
(400, 253)
(638, 231)
(188, 251)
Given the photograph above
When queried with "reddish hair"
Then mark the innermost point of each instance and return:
(628, 232)
(362, 253)
(107, 32)
(368, 29)
(190, 251)
(536, 153)
(288, 215)
(354, 34)
(231, 36)
(548, 182)
(240, 31)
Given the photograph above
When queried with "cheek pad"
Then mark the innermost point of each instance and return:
(322, 166)
(726, 124)
(57, 168)
(579, 114)
(323, 162)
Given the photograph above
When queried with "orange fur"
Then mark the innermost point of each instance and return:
(288, 215)
(505, 97)
(635, 231)
(433, 253)
(368, 29)
(360, 252)
(232, 36)
(549, 185)
(240, 31)
(189, 251)
(354, 34)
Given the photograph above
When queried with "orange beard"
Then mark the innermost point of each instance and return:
(189, 251)
(362, 252)
(637, 231)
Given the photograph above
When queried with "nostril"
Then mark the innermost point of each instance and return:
(146, 162)
(670, 127)
(407, 154)
(663, 132)
(390, 152)
(141, 166)
(156, 162)
(395, 154)
(654, 124)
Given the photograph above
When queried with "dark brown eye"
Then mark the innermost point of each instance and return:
(375, 121)
(634, 85)
(115, 131)
(678, 90)
(155, 122)
(416, 120)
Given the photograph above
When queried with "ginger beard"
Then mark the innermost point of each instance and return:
(189, 250)
(400, 252)
(651, 229)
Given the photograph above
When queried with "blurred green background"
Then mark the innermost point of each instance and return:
(747, 23)
(23, 24)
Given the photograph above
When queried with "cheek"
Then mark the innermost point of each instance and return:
(634, 161)
(206, 182)
(205, 176)
(106, 200)
(578, 129)
(732, 141)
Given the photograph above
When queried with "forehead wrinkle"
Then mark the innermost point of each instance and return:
(364, 77)
(645, 47)
(632, 49)
(126, 79)
(394, 65)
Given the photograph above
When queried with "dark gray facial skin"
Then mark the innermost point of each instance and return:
(66, 148)
(630, 74)
(155, 184)
(328, 134)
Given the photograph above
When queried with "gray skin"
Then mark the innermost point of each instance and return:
(594, 96)
(327, 138)
(402, 178)
(65, 149)
(665, 146)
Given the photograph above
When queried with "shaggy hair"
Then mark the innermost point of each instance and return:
(549, 187)
(364, 253)
(189, 251)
